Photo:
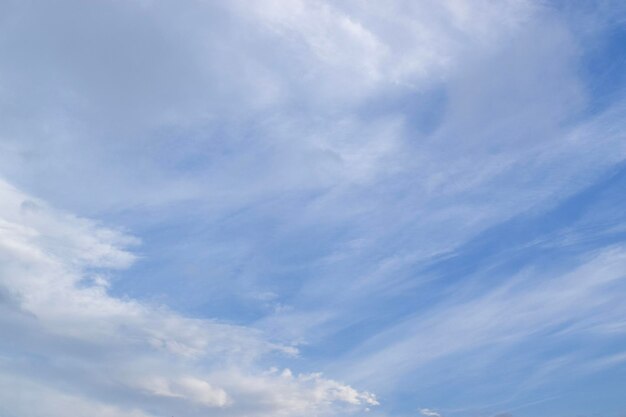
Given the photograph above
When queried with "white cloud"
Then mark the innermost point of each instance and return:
(187, 388)
(429, 413)
(366, 46)
(181, 72)
(21, 396)
(109, 356)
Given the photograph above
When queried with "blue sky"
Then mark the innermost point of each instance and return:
(313, 208)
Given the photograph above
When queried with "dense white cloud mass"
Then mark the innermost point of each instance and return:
(68, 345)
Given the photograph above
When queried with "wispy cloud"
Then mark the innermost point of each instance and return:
(429, 413)
(508, 314)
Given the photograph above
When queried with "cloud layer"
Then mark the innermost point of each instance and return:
(391, 194)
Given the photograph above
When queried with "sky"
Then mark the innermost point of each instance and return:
(312, 208)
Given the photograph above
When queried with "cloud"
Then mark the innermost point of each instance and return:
(111, 356)
(187, 388)
(429, 413)
(550, 306)
(166, 88)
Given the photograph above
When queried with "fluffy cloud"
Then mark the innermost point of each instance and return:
(112, 356)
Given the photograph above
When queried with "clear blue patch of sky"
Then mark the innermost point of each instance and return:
(603, 68)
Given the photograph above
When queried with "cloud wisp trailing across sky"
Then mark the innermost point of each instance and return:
(311, 208)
